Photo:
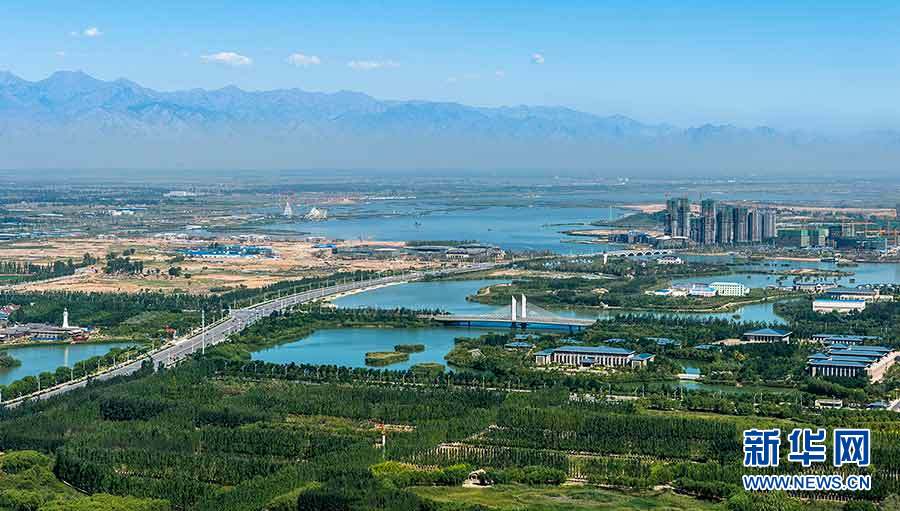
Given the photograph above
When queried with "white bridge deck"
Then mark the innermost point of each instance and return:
(519, 314)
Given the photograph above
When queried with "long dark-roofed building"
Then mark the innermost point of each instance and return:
(588, 356)
(844, 339)
(851, 361)
(767, 335)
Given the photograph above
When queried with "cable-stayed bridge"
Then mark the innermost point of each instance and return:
(518, 314)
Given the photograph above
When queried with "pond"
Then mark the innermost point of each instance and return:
(38, 359)
(348, 346)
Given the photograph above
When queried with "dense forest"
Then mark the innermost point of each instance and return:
(216, 434)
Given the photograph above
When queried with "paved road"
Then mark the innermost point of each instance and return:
(238, 319)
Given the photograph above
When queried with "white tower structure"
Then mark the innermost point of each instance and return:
(65, 318)
(288, 210)
(513, 308)
(524, 308)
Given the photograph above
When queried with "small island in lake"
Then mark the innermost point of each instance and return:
(383, 358)
(409, 348)
(7, 360)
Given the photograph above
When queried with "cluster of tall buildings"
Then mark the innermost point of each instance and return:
(719, 224)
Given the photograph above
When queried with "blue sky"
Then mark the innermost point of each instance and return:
(820, 65)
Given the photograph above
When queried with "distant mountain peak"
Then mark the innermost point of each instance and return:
(231, 126)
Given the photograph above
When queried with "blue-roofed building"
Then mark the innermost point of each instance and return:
(768, 335)
(589, 356)
(664, 341)
(707, 347)
(852, 361)
(616, 340)
(850, 293)
(845, 339)
(518, 345)
(641, 359)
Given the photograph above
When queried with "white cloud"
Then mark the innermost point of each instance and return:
(88, 32)
(60, 53)
(228, 58)
(301, 60)
(537, 58)
(368, 65)
(464, 77)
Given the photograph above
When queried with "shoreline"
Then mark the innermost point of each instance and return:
(6, 346)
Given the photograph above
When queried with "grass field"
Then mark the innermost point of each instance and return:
(567, 498)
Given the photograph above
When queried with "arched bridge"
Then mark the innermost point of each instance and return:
(519, 314)
(647, 252)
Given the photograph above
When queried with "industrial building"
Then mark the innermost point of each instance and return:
(867, 295)
(841, 360)
(217, 251)
(43, 332)
(827, 305)
(664, 260)
(466, 252)
(590, 356)
(813, 287)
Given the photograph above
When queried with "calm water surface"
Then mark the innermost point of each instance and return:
(347, 346)
(38, 359)
(863, 273)
(512, 228)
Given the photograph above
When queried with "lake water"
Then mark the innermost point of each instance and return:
(863, 273)
(348, 346)
(446, 295)
(39, 359)
(450, 296)
(537, 227)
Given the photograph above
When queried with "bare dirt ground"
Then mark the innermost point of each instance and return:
(610, 232)
(294, 259)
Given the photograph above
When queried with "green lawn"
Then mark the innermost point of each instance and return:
(566, 498)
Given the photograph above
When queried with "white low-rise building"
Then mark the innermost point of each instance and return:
(670, 260)
(826, 305)
(730, 288)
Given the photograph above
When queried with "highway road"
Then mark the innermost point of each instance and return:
(238, 319)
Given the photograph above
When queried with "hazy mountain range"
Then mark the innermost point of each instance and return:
(72, 120)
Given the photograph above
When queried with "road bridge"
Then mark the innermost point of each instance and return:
(173, 352)
(518, 315)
